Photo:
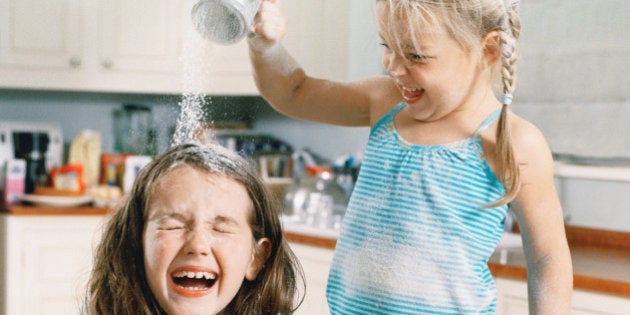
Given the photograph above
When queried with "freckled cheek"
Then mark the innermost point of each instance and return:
(158, 249)
(233, 254)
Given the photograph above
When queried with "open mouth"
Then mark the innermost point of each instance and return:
(411, 94)
(194, 280)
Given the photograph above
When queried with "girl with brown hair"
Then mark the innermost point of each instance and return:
(199, 234)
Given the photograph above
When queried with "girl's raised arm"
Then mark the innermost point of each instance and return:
(285, 85)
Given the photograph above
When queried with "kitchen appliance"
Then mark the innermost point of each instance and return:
(40, 144)
(133, 130)
(315, 200)
(224, 21)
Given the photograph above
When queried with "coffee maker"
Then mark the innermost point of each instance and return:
(32, 147)
(39, 144)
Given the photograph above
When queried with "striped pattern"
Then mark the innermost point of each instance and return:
(416, 238)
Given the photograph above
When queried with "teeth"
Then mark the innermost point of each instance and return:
(409, 89)
(194, 275)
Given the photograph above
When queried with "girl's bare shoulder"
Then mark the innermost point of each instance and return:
(529, 143)
(383, 95)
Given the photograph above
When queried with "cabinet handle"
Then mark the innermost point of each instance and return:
(75, 62)
(107, 63)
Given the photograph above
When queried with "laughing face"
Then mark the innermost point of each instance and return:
(434, 74)
(198, 244)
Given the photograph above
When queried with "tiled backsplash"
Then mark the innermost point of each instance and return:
(592, 130)
(573, 74)
(574, 51)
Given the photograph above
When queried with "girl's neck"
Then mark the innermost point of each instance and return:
(458, 124)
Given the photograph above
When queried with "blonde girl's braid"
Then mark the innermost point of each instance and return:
(507, 165)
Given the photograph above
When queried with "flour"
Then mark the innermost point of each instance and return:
(196, 59)
(190, 118)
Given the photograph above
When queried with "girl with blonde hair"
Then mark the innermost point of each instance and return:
(445, 159)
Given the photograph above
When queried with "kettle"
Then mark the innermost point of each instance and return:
(224, 21)
(315, 199)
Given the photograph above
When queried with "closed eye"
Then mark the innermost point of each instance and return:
(224, 227)
(416, 57)
(171, 222)
(225, 224)
(171, 228)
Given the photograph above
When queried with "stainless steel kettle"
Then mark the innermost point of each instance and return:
(224, 21)
(314, 199)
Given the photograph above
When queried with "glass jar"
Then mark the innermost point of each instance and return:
(133, 130)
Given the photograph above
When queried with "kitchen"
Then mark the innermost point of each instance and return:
(80, 90)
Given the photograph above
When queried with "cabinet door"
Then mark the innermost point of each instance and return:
(317, 36)
(141, 36)
(589, 303)
(512, 300)
(49, 262)
(212, 68)
(512, 297)
(146, 46)
(316, 264)
(37, 34)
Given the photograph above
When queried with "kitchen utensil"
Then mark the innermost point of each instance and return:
(224, 21)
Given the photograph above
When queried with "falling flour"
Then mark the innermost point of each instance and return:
(190, 118)
(197, 56)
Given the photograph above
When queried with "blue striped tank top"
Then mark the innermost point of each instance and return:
(416, 237)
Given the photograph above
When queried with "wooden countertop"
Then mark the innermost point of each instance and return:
(19, 210)
(601, 259)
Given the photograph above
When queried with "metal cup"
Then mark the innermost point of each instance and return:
(224, 21)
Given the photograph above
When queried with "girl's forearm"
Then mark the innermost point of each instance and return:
(277, 75)
(550, 284)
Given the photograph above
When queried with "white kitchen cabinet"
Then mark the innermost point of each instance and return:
(124, 46)
(45, 262)
(41, 35)
(317, 36)
(141, 36)
(316, 263)
(149, 46)
(512, 300)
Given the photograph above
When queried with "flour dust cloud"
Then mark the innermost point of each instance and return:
(196, 59)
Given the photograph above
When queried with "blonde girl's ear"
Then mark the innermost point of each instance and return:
(491, 48)
(260, 254)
